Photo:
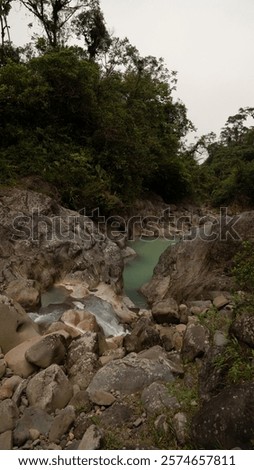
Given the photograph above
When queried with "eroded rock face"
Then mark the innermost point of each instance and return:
(193, 268)
(41, 241)
(15, 325)
(227, 420)
(24, 291)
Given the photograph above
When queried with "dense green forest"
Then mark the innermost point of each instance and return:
(100, 122)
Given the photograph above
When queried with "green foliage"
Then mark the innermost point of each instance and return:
(237, 361)
(187, 396)
(228, 170)
(213, 320)
(101, 138)
(243, 269)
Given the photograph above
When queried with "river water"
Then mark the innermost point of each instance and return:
(139, 270)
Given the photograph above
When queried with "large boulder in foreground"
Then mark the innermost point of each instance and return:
(227, 420)
(133, 373)
(193, 268)
(42, 241)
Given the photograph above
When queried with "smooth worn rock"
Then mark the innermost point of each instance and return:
(49, 389)
(15, 325)
(34, 434)
(101, 398)
(166, 311)
(26, 292)
(131, 374)
(6, 440)
(16, 358)
(220, 301)
(243, 329)
(143, 335)
(62, 423)
(156, 398)
(226, 421)
(81, 319)
(49, 350)
(33, 418)
(8, 415)
(9, 386)
(92, 439)
(195, 342)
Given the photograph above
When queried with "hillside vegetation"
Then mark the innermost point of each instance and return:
(100, 122)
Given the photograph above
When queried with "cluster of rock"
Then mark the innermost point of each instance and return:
(71, 387)
(76, 389)
(42, 242)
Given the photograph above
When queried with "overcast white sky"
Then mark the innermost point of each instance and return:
(209, 43)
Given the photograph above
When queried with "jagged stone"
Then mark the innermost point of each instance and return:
(51, 349)
(180, 425)
(195, 342)
(33, 419)
(62, 423)
(166, 311)
(92, 439)
(8, 415)
(49, 389)
(143, 336)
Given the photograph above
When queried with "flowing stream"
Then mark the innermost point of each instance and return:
(139, 270)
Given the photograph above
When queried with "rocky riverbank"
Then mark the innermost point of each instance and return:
(180, 375)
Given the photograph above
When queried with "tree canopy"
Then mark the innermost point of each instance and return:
(100, 122)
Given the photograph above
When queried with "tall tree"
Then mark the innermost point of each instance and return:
(54, 16)
(90, 25)
(5, 7)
